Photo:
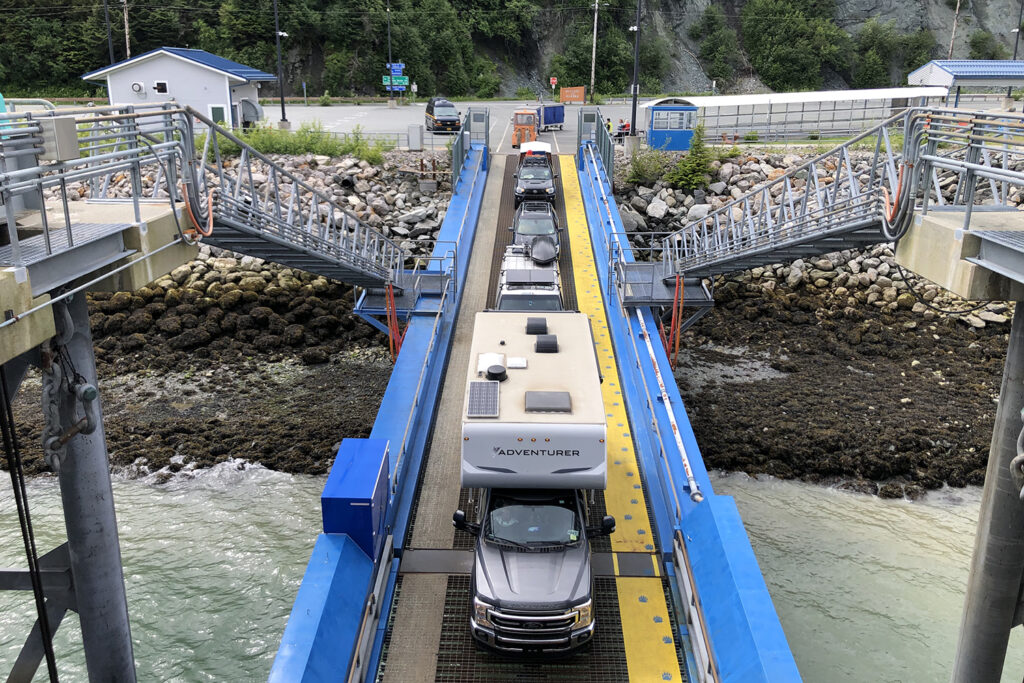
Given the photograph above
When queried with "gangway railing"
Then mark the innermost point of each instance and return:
(591, 126)
(839, 200)
(144, 154)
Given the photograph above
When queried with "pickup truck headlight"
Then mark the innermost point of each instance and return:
(551, 190)
(586, 614)
(520, 190)
(480, 613)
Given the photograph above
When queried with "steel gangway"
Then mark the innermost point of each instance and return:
(864, 191)
(228, 193)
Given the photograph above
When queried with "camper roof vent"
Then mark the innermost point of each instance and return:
(536, 326)
(546, 343)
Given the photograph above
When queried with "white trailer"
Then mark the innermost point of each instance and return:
(533, 415)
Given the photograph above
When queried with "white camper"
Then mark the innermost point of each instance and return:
(533, 415)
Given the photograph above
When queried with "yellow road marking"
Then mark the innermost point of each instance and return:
(646, 630)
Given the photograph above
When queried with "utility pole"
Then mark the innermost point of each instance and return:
(593, 55)
(280, 70)
(127, 39)
(390, 81)
(636, 67)
(110, 41)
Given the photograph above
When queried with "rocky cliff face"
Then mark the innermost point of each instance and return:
(672, 19)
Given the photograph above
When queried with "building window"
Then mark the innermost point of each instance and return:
(218, 113)
(661, 120)
(160, 87)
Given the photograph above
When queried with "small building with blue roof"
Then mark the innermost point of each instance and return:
(954, 74)
(218, 87)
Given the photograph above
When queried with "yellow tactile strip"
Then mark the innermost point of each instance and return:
(646, 630)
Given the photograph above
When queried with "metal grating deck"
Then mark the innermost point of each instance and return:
(33, 249)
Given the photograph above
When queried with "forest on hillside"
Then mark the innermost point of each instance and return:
(455, 47)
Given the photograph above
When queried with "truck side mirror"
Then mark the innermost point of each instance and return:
(511, 228)
(515, 175)
(607, 525)
(460, 523)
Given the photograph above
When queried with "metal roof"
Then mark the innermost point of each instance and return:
(233, 70)
(981, 68)
(797, 97)
(966, 72)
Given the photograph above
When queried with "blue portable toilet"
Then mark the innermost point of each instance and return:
(669, 123)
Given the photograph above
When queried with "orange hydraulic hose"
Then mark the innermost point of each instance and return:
(195, 222)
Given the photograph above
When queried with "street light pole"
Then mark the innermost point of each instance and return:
(593, 55)
(390, 81)
(636, 67)
(280, 70)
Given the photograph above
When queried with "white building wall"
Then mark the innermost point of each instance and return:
(187, 83)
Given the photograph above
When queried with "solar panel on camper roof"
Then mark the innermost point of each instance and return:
(483, 399)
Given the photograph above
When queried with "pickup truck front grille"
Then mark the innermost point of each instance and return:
(539, 628)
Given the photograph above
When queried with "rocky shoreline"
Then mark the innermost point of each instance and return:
(835, 370)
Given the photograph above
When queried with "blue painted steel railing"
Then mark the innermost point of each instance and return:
(349, 634)
(721, 597)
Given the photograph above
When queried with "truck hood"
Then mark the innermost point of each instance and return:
(531, 184)
(517, 579)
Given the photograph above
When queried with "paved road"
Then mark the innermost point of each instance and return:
(378, 118)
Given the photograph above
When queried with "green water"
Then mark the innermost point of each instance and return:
(211, 566)
(867, 589)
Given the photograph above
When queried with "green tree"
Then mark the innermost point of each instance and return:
(719, 46)
(789, 49)
(694, 170)
(984, 46)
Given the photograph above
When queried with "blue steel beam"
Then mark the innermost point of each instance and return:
(747, 640)
(323, 627)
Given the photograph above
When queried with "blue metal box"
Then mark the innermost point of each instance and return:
(355, 498)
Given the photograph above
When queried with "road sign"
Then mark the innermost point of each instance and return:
(396, 72)
(395, 65)
(554, 81)
(394, 80)
(396, 88)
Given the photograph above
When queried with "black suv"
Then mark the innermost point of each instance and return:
(442, 115)
(534, 180)
(535, 225)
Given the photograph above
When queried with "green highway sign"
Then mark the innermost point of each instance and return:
(394, 80)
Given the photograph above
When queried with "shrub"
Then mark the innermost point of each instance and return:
(524, 93)
(310, 138)
(325, 99)
(750, 136)
(647, 166)
(693, 170)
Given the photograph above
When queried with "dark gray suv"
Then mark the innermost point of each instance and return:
(534, 180)
(535, 225)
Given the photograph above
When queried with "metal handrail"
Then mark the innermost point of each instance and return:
(433, 335)
(835, 192)
(132, 140)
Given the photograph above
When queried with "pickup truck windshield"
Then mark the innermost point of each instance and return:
(535, 226)
(535, 173)
(446, 110)
(529, 524)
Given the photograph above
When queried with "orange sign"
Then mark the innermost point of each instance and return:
(572, 95)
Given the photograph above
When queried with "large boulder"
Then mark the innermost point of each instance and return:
(657, 208)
